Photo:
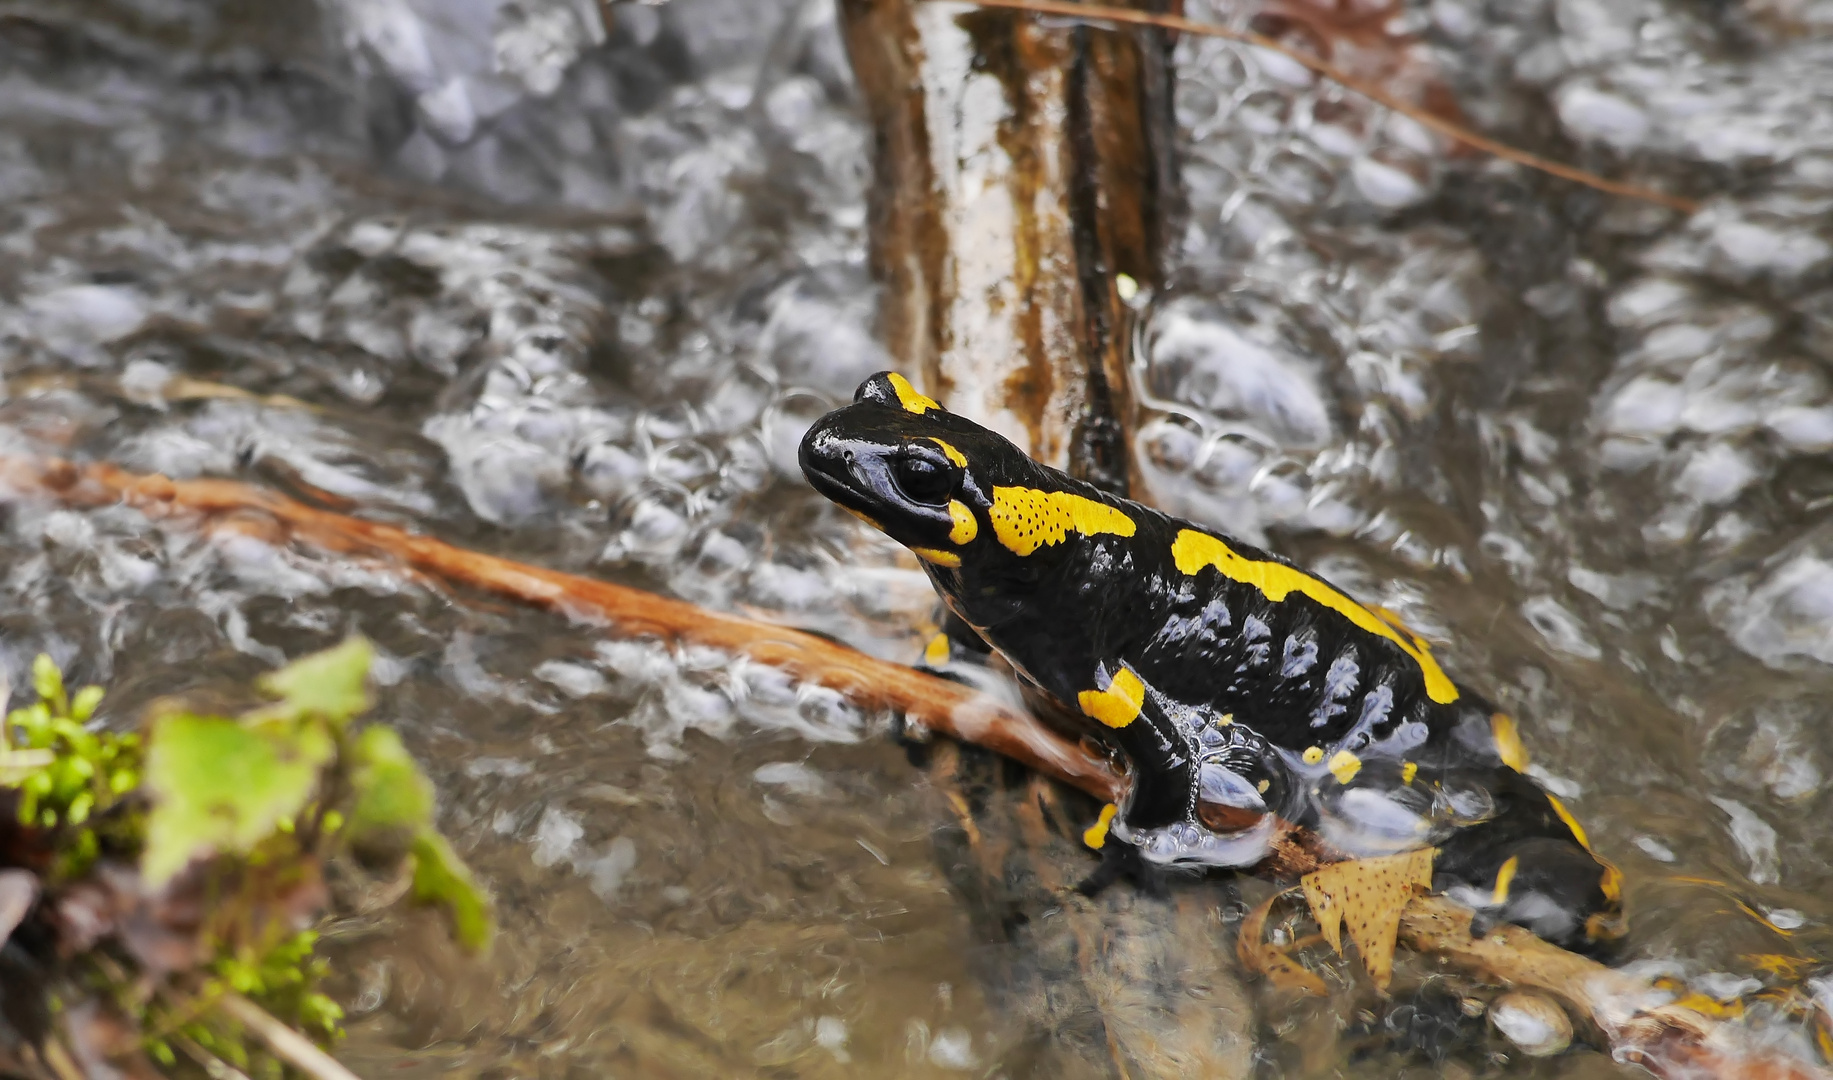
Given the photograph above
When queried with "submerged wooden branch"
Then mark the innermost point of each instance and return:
(938, 704)
(1445, 127)
(1669, 1041)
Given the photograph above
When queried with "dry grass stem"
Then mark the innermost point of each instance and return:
(1447, 128)
(287, 1045)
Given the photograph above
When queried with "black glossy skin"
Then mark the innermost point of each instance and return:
(1069, 615)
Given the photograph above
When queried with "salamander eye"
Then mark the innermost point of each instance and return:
(924, 481)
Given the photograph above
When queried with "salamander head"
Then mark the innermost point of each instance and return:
(911, 468)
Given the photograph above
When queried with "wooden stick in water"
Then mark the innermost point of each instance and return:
(938, 704)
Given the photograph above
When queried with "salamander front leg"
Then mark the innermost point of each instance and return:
(1188, 770)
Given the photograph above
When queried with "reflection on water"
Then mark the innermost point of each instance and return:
(573, 294)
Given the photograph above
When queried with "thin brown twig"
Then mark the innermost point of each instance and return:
(938, 704)
(1447, 128)
(287, 1045)
(61, 1062)
(214, 1067)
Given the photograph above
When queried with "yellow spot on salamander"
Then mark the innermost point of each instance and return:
(1508, 741)
(1192, 551)
(966, 526)
(1565, 815)
(953, 454)
(1612, 881)
(1313, 754)
(1408, 771)
(940, 558)
(1344, 766)
(864, 518)
(1025, 519)
(1395, 621)
(937, 652)
(1227, 719)
(912, 399)
(1504, 878)
(1096, 835)
(1263, 786)
(1119, 704)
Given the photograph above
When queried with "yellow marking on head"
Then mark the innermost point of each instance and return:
(1025, 519)
(1263, 786)
(1119, 704)
(863, 518)
(1504, 878)
(952, 454)
(912, 399)
(1344, 766)
(937, 652)
(1192, 551)
(966, 525)
(1313, 754)
(1096, 834)
(1408, 770)
(1508, 741)
(940, 558)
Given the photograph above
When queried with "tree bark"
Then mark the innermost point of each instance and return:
(1020, 169)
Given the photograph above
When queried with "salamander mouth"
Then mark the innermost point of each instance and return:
(828, 466)
(821, 476)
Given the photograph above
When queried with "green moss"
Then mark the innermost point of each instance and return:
(67, 775)
(255, 805)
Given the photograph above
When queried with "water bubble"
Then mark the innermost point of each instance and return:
(1561, 629)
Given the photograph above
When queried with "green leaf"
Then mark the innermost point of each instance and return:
(82, 707)
(48, 681)
(327, 684)
(390, 790)
(219, 786)
(441, 878)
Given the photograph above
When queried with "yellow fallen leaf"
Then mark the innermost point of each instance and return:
(1368, 895)
(1272, 961)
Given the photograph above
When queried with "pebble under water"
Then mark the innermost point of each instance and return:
(572, 294)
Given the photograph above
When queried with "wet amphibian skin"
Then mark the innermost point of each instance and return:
(1242, 690)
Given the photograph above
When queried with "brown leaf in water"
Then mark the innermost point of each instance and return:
(1270, 960)
(1368, 895)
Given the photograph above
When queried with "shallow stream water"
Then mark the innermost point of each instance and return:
(572, 294)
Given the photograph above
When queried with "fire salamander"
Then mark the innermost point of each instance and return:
(1243, 691)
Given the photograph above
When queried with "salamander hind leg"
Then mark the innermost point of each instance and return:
(1532, 873)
